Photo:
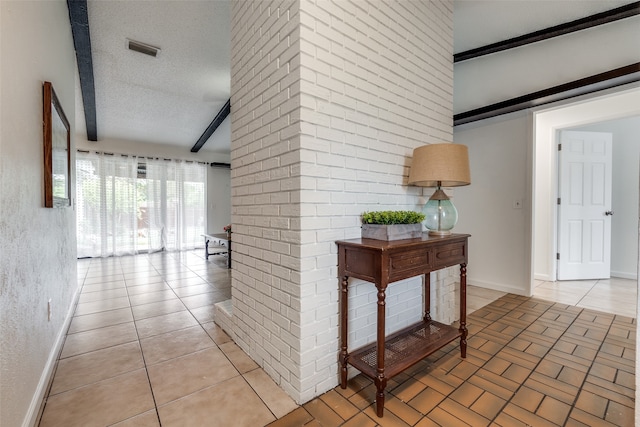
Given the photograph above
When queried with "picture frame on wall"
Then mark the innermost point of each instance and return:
(57, 151)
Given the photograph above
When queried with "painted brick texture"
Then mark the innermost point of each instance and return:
(329, 99)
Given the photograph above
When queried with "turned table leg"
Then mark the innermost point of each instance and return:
(381, 380)
(427, 298)
(344, 331)
(463, 310)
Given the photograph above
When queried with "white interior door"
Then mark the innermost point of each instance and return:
(584, 210)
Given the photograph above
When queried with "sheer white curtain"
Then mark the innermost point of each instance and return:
(127, 205)
(179, 194)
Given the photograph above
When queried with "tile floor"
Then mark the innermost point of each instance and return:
(142, 350)
(611, 295)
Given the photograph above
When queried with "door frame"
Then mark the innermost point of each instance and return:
(542, 164)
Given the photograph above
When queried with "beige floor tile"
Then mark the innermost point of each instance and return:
(152, 287)
(226, 403)
(100, 320)
(101, 286)
(617, 283)
(144, 280)
(193, 290)
(203, 314)
(93, 278)
(577, 286)
(149, 297)
(179, 282)
(476, 291)
(557, 296)
(623, 296)
(144, 272)
(175, 344)
(216, 333)
(101, 283)
(148, 419)
(196, 301)
(271, 394)
(103, 305)
(239, 358)
(157, 308)
(184, 375)
(219, 276)
(87, 368)
(100, 404)
(95, 339)
(627, 308)
(102, 295)
(165, 323)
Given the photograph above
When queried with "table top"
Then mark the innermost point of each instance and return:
(384, 244)
(220, 236)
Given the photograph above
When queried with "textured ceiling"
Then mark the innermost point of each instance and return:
(171, 99)
(478, 23)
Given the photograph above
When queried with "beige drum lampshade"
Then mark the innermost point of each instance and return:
(446, 163)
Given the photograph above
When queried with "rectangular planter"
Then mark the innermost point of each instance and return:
(391, 232)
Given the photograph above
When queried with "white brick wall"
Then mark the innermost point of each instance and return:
(329, 99)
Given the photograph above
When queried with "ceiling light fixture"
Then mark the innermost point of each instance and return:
(140, 47)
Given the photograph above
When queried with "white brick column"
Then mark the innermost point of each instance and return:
(329, 99)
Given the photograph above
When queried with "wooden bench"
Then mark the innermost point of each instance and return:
(220, 243)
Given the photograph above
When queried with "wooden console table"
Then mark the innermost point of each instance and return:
(382, 263)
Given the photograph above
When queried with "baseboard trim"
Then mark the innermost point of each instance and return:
(32, 419)
(623, 275)
(543, 277)
(497, 287)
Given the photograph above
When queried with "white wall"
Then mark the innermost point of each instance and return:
(38, 245)
(626, 170)
(637, 365)
(218, 198)
(498, 255)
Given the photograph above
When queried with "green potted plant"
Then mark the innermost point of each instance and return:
(391, 225)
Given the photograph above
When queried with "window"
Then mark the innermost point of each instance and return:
(128, 205)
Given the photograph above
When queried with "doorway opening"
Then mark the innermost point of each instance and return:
(547, 123)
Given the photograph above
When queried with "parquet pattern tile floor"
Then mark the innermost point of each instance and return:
(530, 362)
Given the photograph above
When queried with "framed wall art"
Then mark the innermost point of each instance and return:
(57, 151)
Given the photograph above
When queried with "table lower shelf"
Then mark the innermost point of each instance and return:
(404, 348)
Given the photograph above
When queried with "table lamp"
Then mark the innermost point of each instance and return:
(440, 165)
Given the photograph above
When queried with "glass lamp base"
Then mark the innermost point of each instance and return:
(440, 214)
(439, 232)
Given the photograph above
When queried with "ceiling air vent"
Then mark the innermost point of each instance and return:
(147, 49)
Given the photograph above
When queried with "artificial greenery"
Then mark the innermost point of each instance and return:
(392, 217)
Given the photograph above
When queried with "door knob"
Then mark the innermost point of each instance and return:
(609, 213)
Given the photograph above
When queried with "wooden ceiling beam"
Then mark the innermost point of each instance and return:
(608, 79)
(605, 17)
(79, 19)
(217, 121)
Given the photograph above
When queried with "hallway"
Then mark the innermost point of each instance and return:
(142, 350)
